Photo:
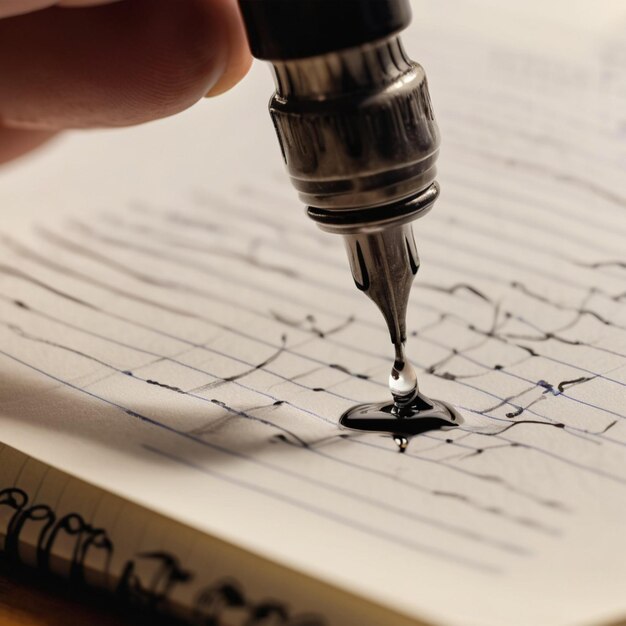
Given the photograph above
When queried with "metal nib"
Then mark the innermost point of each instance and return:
(383, 264)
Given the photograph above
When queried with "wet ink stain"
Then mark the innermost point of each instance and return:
(419, 416)
(408, 414)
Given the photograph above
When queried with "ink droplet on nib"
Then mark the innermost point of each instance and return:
(401, 441)
(402, 380)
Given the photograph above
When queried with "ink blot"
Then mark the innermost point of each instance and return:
(408, 415)
(420, 416)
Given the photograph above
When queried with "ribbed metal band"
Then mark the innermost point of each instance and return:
(347, 220)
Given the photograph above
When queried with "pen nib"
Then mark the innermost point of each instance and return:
(383, 265)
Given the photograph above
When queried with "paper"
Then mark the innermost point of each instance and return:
(174, 330)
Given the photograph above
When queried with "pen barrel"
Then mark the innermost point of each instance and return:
(356, 127)
(355, 122)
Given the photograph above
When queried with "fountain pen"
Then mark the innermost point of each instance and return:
(356, 129)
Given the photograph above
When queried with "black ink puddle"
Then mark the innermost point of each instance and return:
(402, 422)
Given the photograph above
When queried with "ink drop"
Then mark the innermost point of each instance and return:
(403, 379)
(409, 414)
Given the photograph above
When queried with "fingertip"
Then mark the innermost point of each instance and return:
(16, 143)
(184, 53)
(117, 64)
(239, 59)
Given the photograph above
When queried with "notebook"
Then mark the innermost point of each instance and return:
(178, 342)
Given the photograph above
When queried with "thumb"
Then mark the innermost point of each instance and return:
(116, 64)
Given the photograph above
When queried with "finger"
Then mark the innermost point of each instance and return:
(239, 59)
(18, 7)
(15, 143)
(82, 3)
(117, 64)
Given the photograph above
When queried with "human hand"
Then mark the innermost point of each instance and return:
(104, 63)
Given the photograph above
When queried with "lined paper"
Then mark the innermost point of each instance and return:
(173, 330)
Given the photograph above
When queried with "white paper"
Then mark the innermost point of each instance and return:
(141, 268)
